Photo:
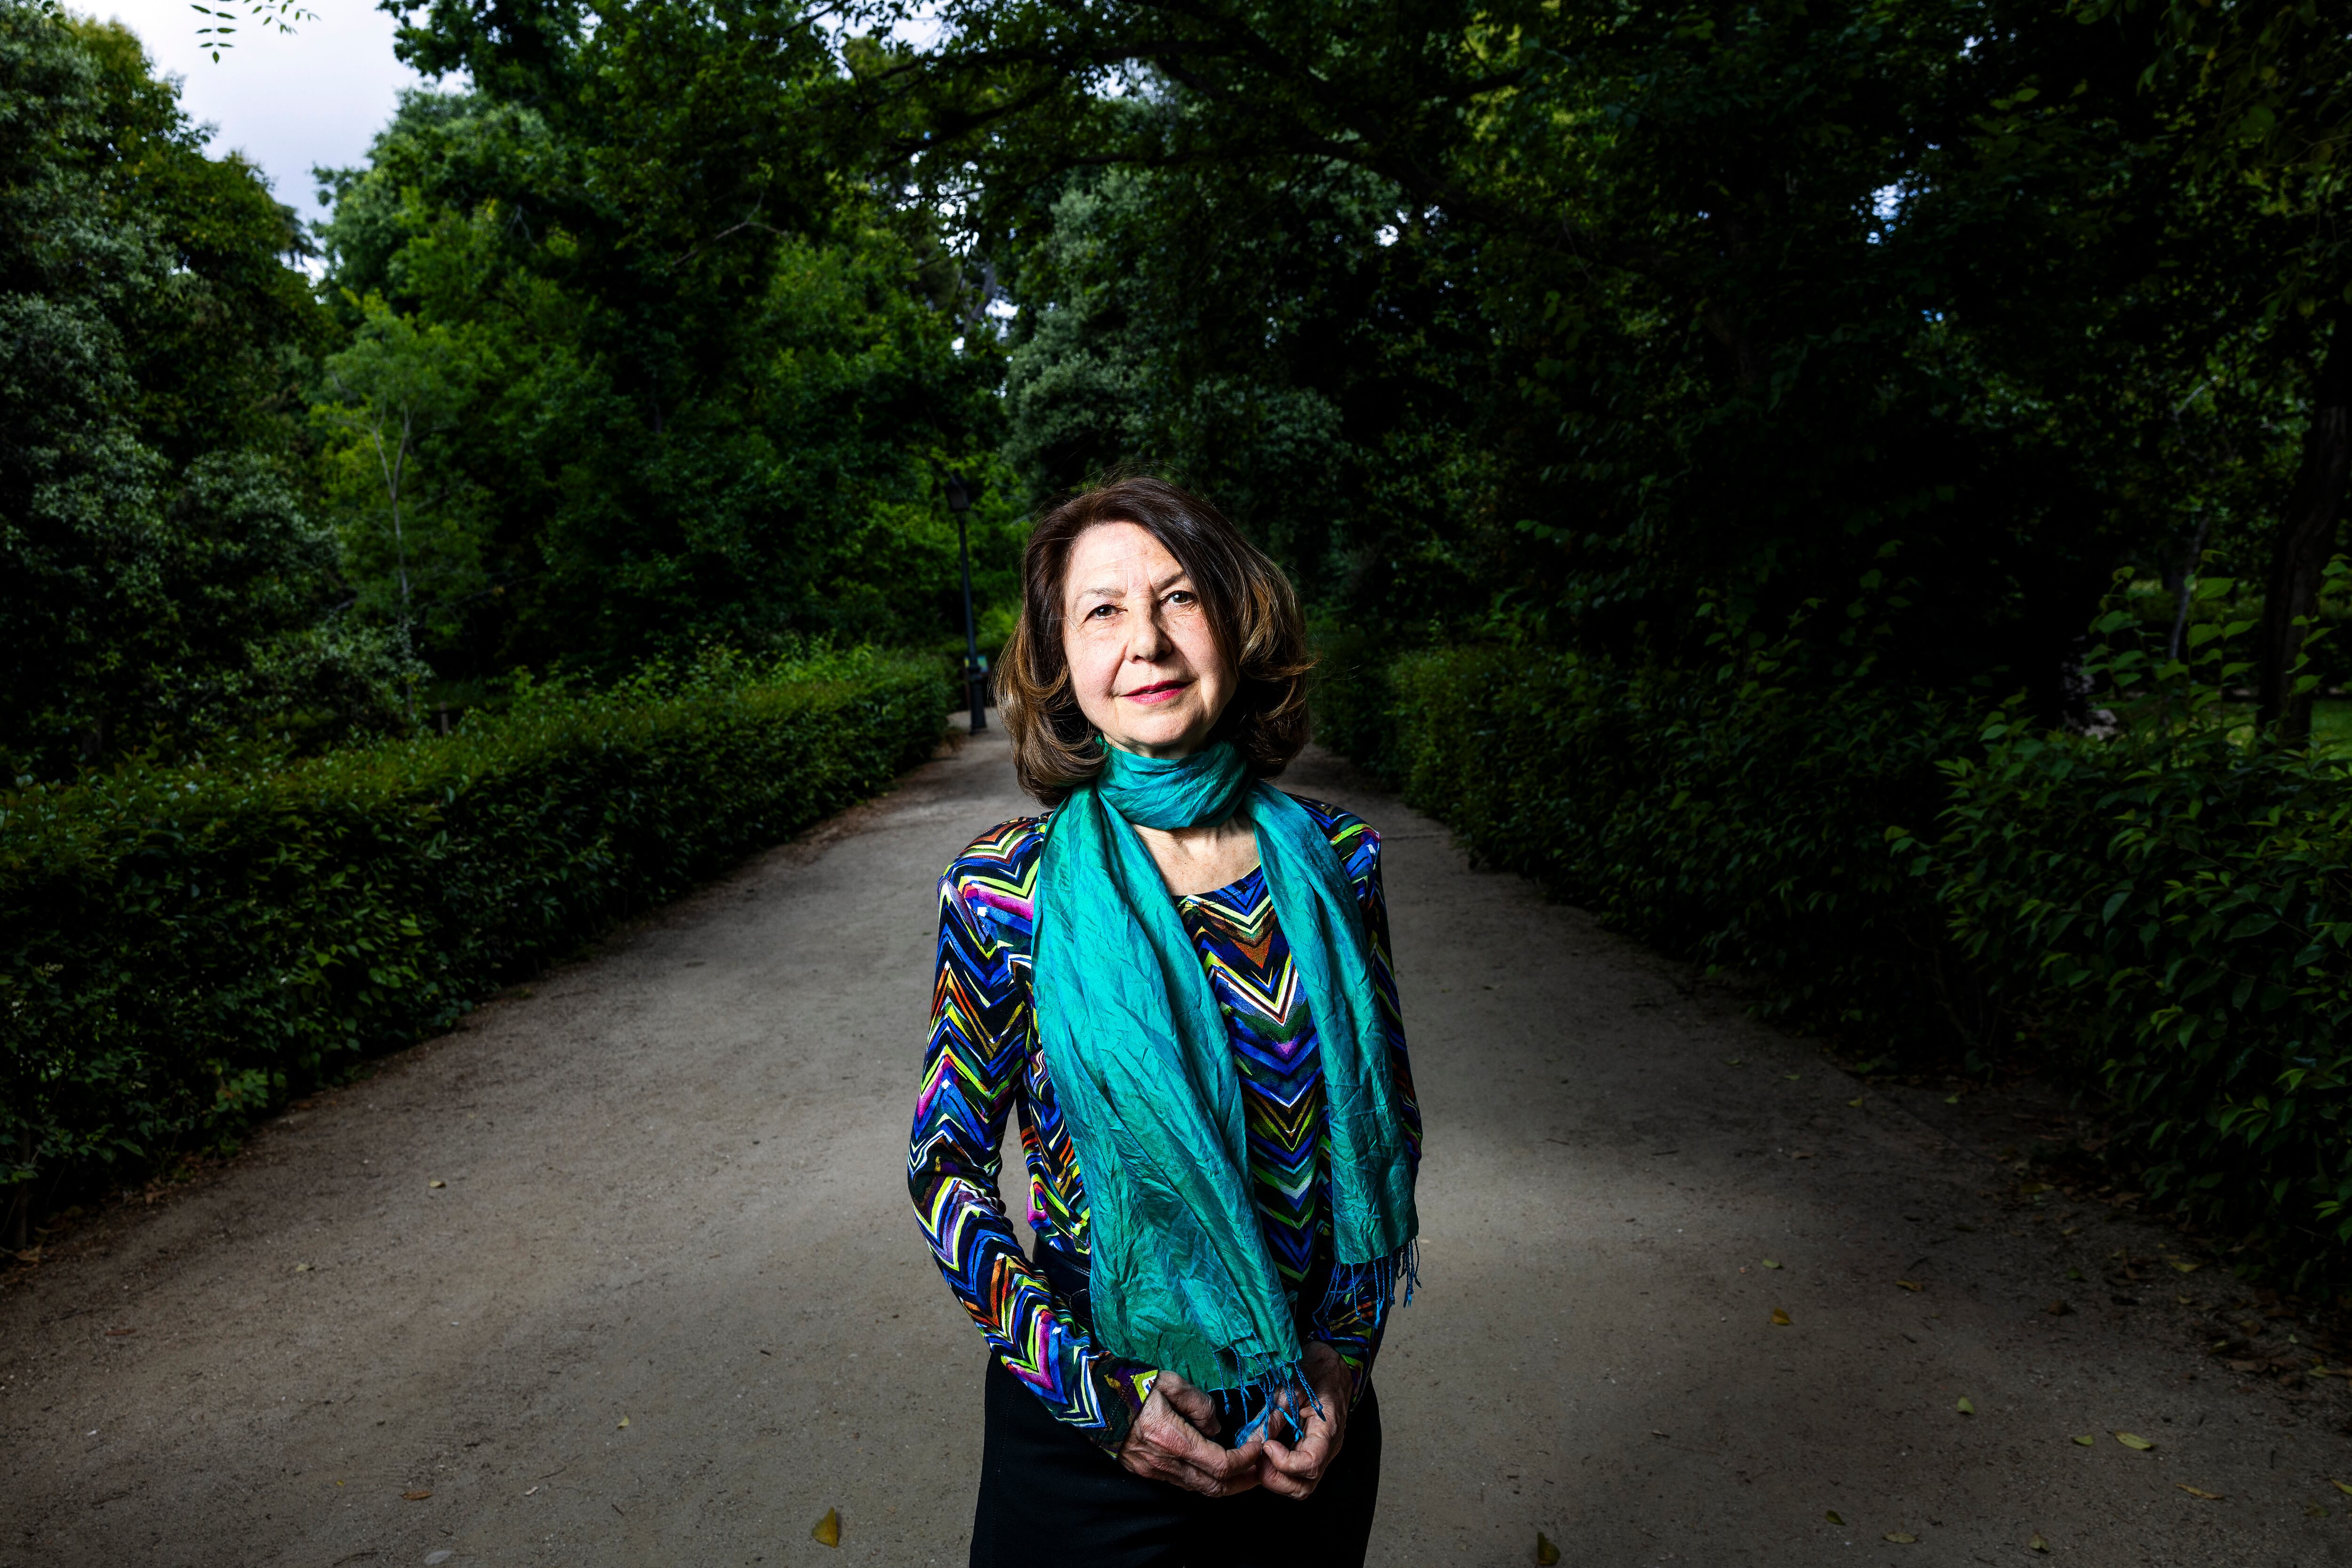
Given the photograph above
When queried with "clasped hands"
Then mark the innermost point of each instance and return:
(1170, 1438)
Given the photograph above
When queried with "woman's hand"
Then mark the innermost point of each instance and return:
(1295, 1469)
(1166, 1443)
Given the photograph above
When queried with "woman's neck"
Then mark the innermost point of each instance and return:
(1201, 859)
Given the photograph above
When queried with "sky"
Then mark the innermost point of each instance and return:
(317, 97)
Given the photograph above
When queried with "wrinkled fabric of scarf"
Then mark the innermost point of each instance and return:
(1180, 1276)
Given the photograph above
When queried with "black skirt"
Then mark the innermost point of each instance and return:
(1049, 1496)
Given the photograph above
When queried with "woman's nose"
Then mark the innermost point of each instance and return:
(1149, 639)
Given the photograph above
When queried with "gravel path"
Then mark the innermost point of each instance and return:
(622, 1272)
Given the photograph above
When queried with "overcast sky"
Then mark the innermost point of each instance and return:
(286, 102)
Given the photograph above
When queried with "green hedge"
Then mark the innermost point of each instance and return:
(184, 949)
(2163, 913)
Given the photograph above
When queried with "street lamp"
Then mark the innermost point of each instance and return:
(975, 673)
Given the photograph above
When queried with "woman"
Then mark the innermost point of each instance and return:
(1179, 977)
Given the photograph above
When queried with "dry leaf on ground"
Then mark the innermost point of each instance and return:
(2344, 1487)
(1770, 1264)
(1900, 1539)
(2058, 1309)
(1832, 1517)
(1546, 1552)
(828, 1529)
(2199, 1492)
(1911, 1285)
(2037, 1545)
(624, 1421)
(2087, 1442)
(2131, 1441)
(1779, 1318)
(436, 1183)
(1965, 1407)
(417, 1495)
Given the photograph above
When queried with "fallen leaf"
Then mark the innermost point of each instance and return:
(1832, 1517)
(1965, 1407)
(2344, 1487)
(1792, 1077)
(301, 1268)
(1910, 1285)
(1900, 1539)
(30, 1255)
(118, 1333)
(828, 1529)
(2184, 1268)
(417, 1495)
(443, 1555)
(624, 1421)
(2199, 1492)
(1802, 1154)
(2087, 1442)
(1855, 1103)
(1951, 1099)
(1779, 1318)
(2037, 1545)
(1770, 1264)
(436, 1183)
(1729, 1062)
(2031, 1189)
(2130, 1441)
(2315, 1511)
(2058, 1309)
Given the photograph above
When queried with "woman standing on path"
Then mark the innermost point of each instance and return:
(1180, 978)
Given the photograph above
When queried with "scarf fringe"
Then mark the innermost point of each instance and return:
(1378, 1277)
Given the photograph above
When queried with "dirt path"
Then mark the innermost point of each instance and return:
(670, 1305)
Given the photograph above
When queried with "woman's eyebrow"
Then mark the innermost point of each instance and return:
(1179, 575)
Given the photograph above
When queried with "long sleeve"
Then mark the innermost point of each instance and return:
(1352, 1324)
(971, 1080)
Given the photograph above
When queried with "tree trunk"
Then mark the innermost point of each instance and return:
(2307, 537)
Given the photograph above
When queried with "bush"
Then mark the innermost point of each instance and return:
(2163, 915)
(1717, 814)
(2167, 913)
(184, 949)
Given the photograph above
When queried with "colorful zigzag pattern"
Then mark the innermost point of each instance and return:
(983, 1064)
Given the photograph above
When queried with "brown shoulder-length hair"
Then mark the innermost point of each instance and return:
(1250, 606)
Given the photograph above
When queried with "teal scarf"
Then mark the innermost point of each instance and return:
(1179, 1275)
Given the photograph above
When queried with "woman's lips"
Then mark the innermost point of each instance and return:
(1158, 691)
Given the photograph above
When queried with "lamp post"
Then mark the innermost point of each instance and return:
(960, 492)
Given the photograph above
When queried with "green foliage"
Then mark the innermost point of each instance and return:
(1722, 812)
(2167, 911)
(185, 947)
(2161, 912)
(160, 583)
(713, 383)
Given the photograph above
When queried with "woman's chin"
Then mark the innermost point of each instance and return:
(1159, 735)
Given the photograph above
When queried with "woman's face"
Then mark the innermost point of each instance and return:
(1145, 664)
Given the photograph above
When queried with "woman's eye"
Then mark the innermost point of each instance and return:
(1101, 612)
(1182, 597)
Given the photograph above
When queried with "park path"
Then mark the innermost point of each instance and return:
(624, 1272)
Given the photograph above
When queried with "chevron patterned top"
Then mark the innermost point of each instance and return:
(984, 1064)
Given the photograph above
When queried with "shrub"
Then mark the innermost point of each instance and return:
(2167, 913)
(2162, 915)
(186, 947)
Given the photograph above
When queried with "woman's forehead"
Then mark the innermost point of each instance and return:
(1117, 557)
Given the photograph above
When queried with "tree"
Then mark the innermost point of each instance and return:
(395, 384)
(159, 584)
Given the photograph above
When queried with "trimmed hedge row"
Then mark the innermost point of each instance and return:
(181, 951)
(2164, 914)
